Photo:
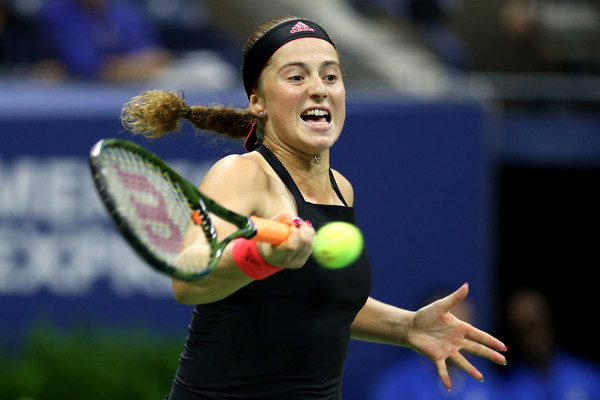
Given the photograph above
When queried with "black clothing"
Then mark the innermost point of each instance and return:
(281, 338)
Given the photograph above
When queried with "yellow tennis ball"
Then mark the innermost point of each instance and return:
(338, 244)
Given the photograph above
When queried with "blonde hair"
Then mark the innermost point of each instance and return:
(155, 113)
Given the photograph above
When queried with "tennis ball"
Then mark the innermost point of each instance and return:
(338, 244)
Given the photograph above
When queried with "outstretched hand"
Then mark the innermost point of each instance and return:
(439, 335)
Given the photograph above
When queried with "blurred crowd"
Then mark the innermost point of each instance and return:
(110, 41)
(559, 36)
(138, 40)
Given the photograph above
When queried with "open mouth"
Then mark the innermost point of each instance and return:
(316, 116)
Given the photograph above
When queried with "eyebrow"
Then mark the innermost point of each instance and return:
(303, 65)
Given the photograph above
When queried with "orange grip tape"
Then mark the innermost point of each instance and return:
(270, 231)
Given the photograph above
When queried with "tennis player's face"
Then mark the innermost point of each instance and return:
(304, 95)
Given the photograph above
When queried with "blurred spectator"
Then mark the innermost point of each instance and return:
(109, 40)
(413, 377)
(564, 32)
(20, 47)
(539, 369)
(430, 18)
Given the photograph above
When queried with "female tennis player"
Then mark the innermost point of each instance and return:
(268, 322)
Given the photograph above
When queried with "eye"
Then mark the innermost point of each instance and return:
(330, 78)
(296, 78)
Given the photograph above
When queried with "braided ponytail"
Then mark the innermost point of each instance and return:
(155, 113)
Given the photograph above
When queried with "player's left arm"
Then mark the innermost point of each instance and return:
(432, 331)
(381, 323)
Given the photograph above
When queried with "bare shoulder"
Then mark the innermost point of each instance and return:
(345, 187)
(238, 182)
(236, 166)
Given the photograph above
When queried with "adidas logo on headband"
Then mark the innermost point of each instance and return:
(301, 27)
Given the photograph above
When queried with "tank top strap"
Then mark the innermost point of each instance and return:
(289, 181)
(336, 188)
(284, 175)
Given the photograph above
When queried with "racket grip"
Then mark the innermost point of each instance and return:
(273, 232)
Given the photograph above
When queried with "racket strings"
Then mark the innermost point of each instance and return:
(154, 208)
(152, 204)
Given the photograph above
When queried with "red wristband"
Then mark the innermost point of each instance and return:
(246, 257)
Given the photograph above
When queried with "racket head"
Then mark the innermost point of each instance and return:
(153, 207)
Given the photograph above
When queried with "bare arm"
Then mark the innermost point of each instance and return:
(432, 331)
(241, 185)
(381, 323)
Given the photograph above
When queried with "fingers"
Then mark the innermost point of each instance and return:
(482, 350)
(464, 336)
(295, 222)
(466, 366)
(296, 249)
(454, 298)
(300, 228)
(462, 363)
(443, 373)
(305, 233)
(484, 338)
(298, 222)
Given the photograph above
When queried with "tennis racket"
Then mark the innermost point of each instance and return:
(153, 207)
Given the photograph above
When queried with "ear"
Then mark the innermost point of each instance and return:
(256, 105)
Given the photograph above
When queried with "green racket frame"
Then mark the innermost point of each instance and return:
(199, 206)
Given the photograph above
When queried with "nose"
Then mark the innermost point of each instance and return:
(316, 87)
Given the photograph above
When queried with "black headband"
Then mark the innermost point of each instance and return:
(270, 42)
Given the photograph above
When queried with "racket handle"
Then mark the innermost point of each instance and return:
(270, 231)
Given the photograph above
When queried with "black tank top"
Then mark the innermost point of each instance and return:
(284, 337)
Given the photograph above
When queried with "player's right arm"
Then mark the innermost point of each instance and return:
(240, 184)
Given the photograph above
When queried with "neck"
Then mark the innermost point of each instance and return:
(297, 159)
(310, 172)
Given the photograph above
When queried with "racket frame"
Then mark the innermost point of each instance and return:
(199, 203)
